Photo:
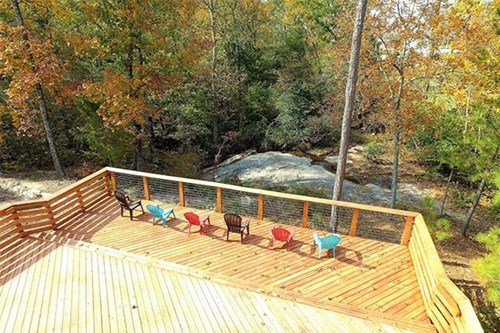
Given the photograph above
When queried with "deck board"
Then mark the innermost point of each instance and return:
(368, 274)
(367, 279)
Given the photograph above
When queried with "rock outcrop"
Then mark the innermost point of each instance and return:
(286, 170)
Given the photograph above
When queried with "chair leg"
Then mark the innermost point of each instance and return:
(248, 229)
(227, 236)
(241, 234)
(189, 229)
(319, 251)
(142, 208)
(121, 210)
(333, 252)
(131, 214)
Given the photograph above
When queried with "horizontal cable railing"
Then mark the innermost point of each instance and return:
(389, 225)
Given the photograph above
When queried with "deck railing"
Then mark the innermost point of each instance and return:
(21, 219)
(449, 309)
(373, 222)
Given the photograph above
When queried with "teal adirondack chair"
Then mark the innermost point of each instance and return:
(329, 242)
(160, 213)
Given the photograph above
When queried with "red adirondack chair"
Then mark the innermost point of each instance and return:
(194, 219)
(282, 234)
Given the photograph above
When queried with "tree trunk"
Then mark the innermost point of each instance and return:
(397, 137)
(395, 167)
(211, 4)
(42, 103)
(441, 210)
(479, 193)
(350, 94)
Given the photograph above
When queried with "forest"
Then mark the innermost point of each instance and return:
(174, 86)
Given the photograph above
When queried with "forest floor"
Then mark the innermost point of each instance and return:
(456, 252)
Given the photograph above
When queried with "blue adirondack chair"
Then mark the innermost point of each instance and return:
(160, 213)
(329, 242)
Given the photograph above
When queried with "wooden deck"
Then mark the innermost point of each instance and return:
(368, 279)
(52, 287)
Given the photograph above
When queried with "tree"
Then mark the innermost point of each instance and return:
(350, 93)
(31, 67)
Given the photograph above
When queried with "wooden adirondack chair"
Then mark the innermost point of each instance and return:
(194, 219)
(235, 224)
(127, 203)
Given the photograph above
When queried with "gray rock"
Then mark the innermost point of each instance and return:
(32, 194)
(286, 170)
(356, 149)
(334, 160)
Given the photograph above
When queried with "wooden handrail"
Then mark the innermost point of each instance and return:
(267, 193)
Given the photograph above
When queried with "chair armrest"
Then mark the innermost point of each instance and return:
(292, 233)
(204, 218)
(245, 223)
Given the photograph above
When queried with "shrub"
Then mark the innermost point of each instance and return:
(487, 267)
(373, 151)
(439, 228)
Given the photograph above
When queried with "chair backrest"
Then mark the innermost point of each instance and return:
(280, 233)
(329, 241)
(155, 210)
(232, 220)
(122, 198)
(192, 218)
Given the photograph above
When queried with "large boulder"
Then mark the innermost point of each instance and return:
(286, 170)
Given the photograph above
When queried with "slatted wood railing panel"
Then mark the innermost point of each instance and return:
(25, 218)
(448, 308)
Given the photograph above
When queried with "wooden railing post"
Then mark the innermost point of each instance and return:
(407, 231)
(51, 215)
(305, 214)
(147, 195)
(113, 181)
(219, 199)
(80, 200)
(260, 207)
(354, 222)
(182, 200)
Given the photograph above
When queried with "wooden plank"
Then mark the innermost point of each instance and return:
(407, 231)
(354, 222)
(260, 207)
(182, 198)
(219, 199)
(147, 195)
(305, 214)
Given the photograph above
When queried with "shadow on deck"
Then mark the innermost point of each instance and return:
(367, 278)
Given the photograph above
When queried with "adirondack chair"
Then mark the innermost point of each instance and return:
(127, 203)
(282, 234)
(160, 213)
(194, 219)
(235, 224)
(329, 242)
